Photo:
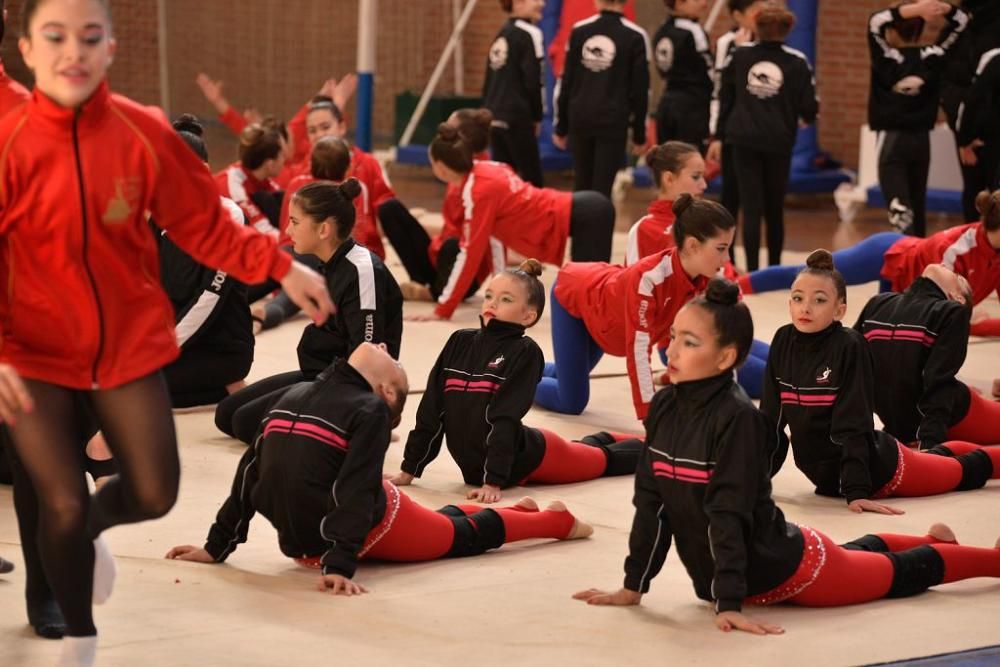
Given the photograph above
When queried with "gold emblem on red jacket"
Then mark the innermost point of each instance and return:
(121, 206)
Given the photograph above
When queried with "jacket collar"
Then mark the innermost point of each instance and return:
(983, 241)
(818, 337)
(501, 330)
(697, 284)
(57, 118)
(662, 208)
(341, 372)
(699, 393)
(926, 287)
(341, 252)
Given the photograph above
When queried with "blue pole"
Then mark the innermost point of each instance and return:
(367, 12)
(803, 38)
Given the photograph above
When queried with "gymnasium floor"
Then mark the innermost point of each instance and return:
(511, 606)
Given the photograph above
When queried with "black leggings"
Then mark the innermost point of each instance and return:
(904, 160)
(239, 414)
(683, 116)
(763, 181)
(200, 376)
(138, 425)
(410, 241)
(517, 146)
(596, 161)
(591, 227)
(984, 175)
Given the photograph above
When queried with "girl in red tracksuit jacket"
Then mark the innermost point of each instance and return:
(972, 251)
(703, 483)
(250, 181)
(429, 261)
(820, 382)
(480, 390)
(500, 208)
(598, 308)
(84, 315)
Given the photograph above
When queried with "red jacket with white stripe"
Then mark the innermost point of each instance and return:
(965, 249)
(83, 307)
(502, 210)
(453, 215)
(297, 135)
(626, 310)
(237, 183)
(365, 230)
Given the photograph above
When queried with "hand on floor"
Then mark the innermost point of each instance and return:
(339, 585)
(623, 597)
(487, 494)
(728, 621)
(190, 553)
(427, 317)
(866, 505)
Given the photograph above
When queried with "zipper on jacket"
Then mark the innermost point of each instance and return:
(86, 263)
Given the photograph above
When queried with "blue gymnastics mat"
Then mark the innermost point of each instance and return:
(981, 657)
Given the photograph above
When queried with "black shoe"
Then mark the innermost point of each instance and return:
(623, 457)
(46, 619)
(6, 566)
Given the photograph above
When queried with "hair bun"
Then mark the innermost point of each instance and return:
(189, 123)
(821, 260)
(448, 133)
(350, 188)
(682, 204)
(722, 292)
(532, 267)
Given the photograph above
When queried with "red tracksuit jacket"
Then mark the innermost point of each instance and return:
(83, 307)
(12, 94)
(365, 231)
(626, 310)
(500, 208)
(299, 162)
(237, 183)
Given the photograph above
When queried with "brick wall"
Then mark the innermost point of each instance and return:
(274, 55)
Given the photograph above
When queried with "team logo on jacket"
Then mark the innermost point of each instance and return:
(765, 80)
(823, 376)
(909, 86)
(498, 53)
(122, 204)
(496, 363)
(664, 54)
(598, 53)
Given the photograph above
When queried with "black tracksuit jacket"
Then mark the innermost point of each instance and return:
(979, 113)
(918, 341)
(764, 90)
(820, 385)
(683, 57)
(703, 480)
(477, 394)
(604, 88)
(315, 472)
(369, 309)
(981, 35)
(514, 87)
(905, 89)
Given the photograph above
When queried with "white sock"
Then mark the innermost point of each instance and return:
(104, 571)
(78, 651)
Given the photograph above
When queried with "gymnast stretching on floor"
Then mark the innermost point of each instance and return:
(333, 434)
(479, 391)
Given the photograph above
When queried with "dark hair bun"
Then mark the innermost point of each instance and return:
(820, 260)
(189, 123)
(682, 204)
(722, 292)
(532, 267)
(448, 133)
(350, 189)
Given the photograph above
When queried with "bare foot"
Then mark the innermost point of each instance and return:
(579, 530)
(996, 389)
(257, 313)
(942, 533)
(415, 292)
(527, 504)
(235, 387)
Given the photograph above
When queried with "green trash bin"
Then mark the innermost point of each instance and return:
(438, 109)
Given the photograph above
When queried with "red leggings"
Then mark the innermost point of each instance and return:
(981, 425)
(566, 462)
(851, 577)
(412, 533)
(986, 328)
(923, 474)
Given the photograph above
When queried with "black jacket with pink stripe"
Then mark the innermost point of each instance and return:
(477, 394)
(703, 480)
(918, 341)
(821, 386)
(315, 472)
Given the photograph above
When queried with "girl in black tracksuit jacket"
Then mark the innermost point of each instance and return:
(820, 383)
(514, 92)
(977, 122)
(918, 340)
(766, 90)
(683, 57)
(602, 93)
(479, 391)
(903, 103)
(703, 480)
(315, 472)
(369, 303)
